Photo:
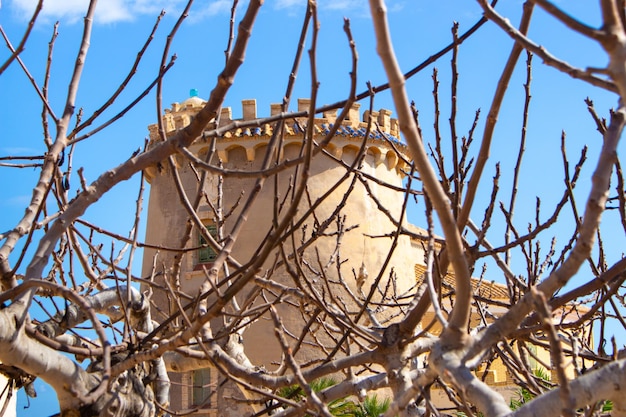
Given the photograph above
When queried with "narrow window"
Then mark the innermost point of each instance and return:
(207, 254)
(201, 389)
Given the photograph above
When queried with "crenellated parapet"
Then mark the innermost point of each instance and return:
(382, 139)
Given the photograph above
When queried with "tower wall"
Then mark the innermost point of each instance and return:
(367, 241)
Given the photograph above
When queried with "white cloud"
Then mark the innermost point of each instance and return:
(359, 6)
(110, 11)
(18, 150)
(73, 10)
(285, 4)
(16, 200)
(344, 5)
(213, 8)
(154, 7)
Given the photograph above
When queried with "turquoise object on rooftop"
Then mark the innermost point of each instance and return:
(193, 92)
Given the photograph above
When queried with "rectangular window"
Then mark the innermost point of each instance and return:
(207, 253)
(201, 389)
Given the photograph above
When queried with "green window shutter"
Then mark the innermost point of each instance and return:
(201, 390)
(207, 254)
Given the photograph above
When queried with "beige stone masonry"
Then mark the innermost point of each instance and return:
(180, 114)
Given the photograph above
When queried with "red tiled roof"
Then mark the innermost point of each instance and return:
(485, 289)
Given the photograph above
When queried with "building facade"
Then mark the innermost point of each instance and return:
(344, 229)
(351, 209)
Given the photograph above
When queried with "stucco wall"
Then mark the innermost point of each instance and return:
(367, 240)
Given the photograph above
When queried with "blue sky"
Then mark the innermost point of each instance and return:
(419, 29)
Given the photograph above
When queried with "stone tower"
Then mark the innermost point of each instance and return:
(351, 204)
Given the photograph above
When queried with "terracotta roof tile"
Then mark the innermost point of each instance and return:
(490, 290)
(293, 128)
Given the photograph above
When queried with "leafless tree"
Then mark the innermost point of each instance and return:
(105, 338)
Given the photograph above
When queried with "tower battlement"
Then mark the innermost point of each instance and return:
(248, 137)
(385, 127)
